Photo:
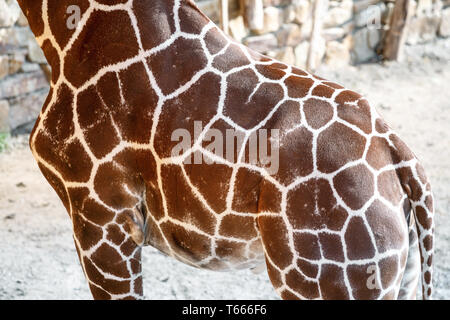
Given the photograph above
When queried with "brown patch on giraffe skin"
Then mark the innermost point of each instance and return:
(176, 65)
(238, 227)
(381, 126)
(87, 234)
(189, 244)
(96, 123)
(71, 159)
(338, 145)
(182, 204)
(381, 154)
(388, 271)
(323, 91)
(269, 198)
(249, 113)
(298, 87)
(355, 186)
(154, 200)
(112, 286)
(359, 115)
(274, 275)
(141, 166)
(389, 187)
(307, 246)
(274, 236)
(295, 156)
(110, 184)
(357, 240)
(58, 18)
(114, 234)
(279, 65)
(135, 263)
(386, 227)
(272, 71)
(214, 41)
(59, 120)
(409, 183)
(253, 194)
(403, 152)
(51, 54)
(139, 161)
(309, 269)
(247, 191)
(427, 277)
(285, 118)
(422, 216)
(297, 282)
(109, 260)
(197, 20)
(333, 85)
(109, 90)
(224, 128)
(233, 57)
(33, 11)
(363, 281)
(97, 293)
(288, 295)
(127, 248)
(428, 242)
(312, 205)
(332, 284)
(202, 99)
(151, 16)
(93, 211)
(106, 39)
(299, 72)
(230, 250)
(135, 117)
(57, 185)
(317, 112)
(331, 246)
(346, 97)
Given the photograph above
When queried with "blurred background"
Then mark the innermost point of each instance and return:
(395, 52)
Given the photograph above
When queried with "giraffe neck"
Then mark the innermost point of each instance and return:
(58, 24)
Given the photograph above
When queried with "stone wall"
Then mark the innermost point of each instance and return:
(352, 33)
(352, 30)
(23, 85)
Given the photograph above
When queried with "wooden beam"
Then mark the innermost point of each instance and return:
(315, 34)
(224, 16)
(395, 38)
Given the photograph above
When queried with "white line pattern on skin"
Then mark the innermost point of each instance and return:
(252, 258)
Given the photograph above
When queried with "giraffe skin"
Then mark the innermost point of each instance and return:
(331, 223)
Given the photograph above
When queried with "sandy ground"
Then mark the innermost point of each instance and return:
(38, 258)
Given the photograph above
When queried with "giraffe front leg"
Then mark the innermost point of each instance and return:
(109, 247)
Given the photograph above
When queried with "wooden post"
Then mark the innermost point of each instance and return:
(315, 35)
(395, 38)
(224, 16)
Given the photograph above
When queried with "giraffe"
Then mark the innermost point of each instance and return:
(346, 216)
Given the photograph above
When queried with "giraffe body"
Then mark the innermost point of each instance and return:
(331, 223)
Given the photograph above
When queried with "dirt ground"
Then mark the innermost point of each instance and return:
(38, 258)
